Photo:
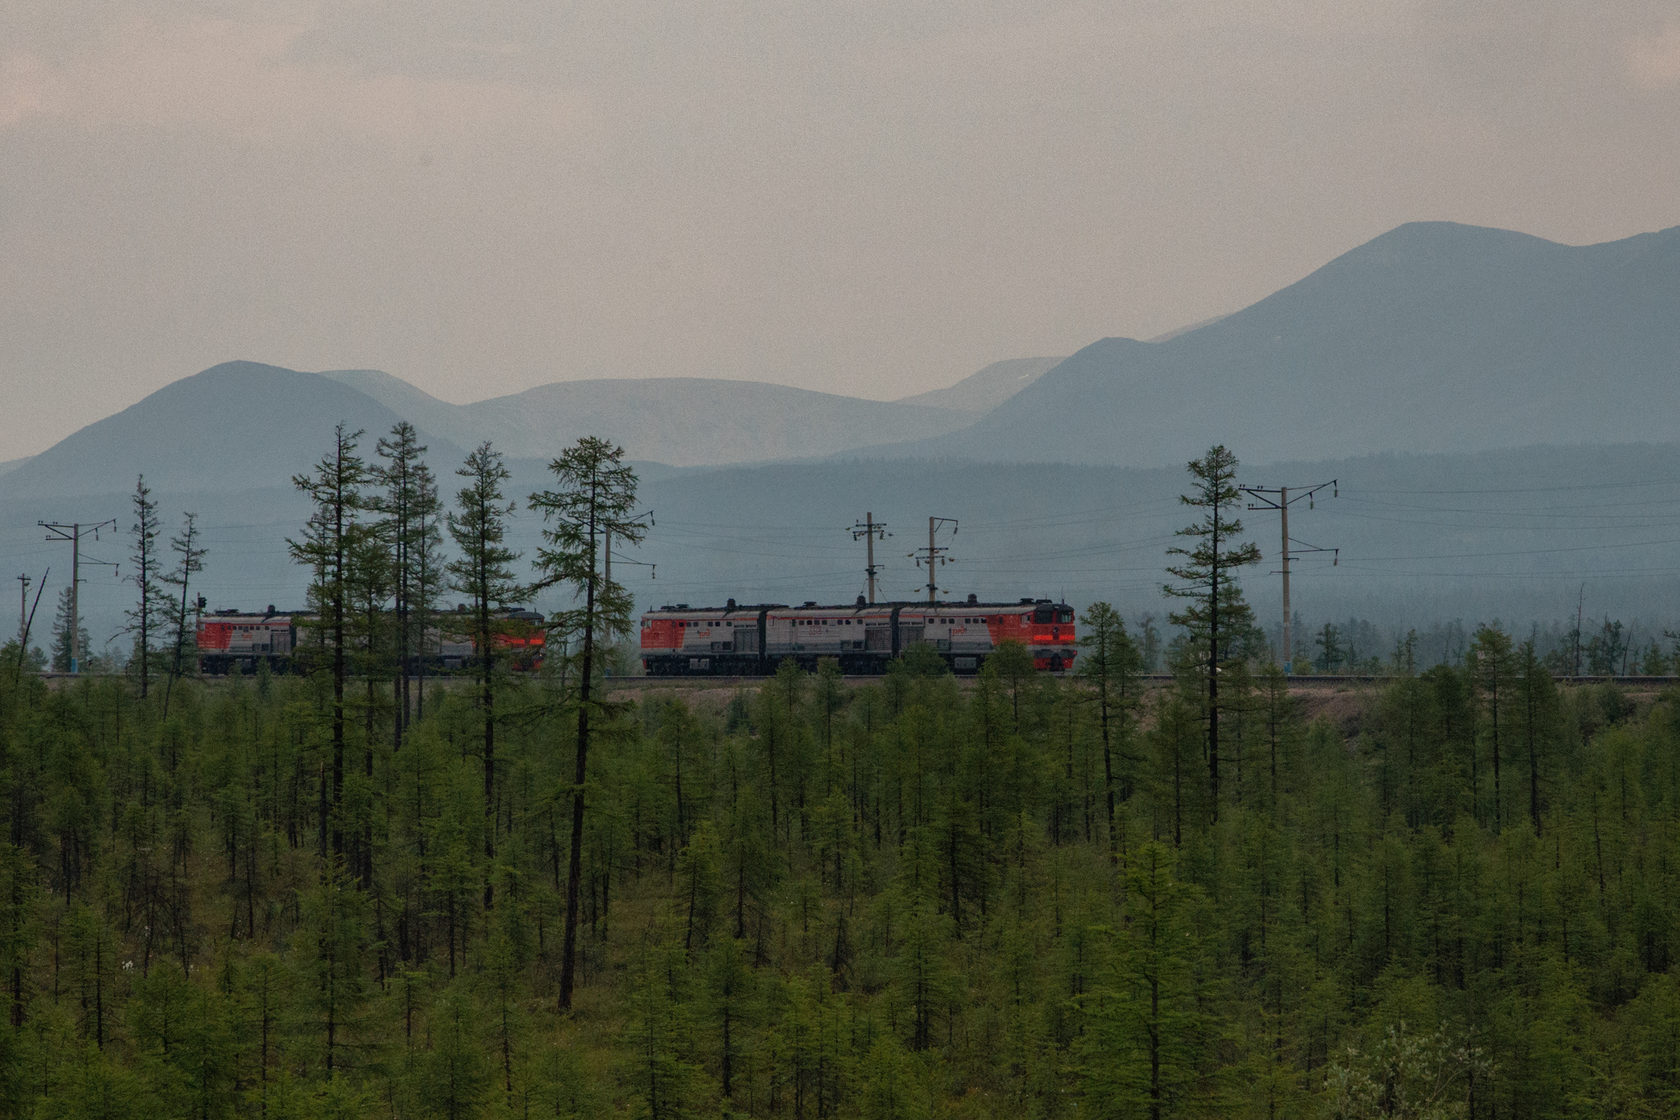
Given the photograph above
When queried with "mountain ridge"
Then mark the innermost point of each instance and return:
(1434, 336)
(213, 430)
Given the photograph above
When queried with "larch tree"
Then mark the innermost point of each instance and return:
(484, 573)
(428, 572)
(1537, 698)
(1112, 664)
(409, 507)
(1151, 1027)
(180, 609)
(64, 643)
(144, 616)
(1492, 664)
(330, 545)
(373, 647)
(1215, 616)
(594, 498)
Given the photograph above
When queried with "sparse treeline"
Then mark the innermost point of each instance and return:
(1607, 647)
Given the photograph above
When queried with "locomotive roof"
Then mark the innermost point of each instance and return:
(943, 604)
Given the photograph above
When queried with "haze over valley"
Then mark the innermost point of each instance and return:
(1486, 400)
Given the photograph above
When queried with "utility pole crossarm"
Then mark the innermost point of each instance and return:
(1280, 499)
(870, 531)
(610, 555)
(1298, 547)
(934, 554)
(73, 533)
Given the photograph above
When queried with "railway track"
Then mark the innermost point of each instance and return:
(1315, 681)
(1296, 683)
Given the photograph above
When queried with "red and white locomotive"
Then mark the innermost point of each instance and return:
(734, 640)
(236, 642)
(232, 641)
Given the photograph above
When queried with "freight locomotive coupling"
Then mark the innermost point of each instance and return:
(863, 638)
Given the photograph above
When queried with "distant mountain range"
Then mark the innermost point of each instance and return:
(688, 422)
(240, 424)
(1406, 362)
(683, 422)
(1433, 337)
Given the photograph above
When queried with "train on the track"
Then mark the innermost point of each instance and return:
(731, 640)
(735, 640)
(232, 641)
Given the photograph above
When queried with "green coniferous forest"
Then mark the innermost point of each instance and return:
(1451, 895)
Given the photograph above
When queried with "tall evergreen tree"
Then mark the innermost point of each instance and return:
(1216, 615)
(484, 573)
(1537, 697)
(63, 643)
(1492, 668)
(331, 541)
(409, 505)
(595, 496)
(1111, 663)
(429, 576)
(1151, 1037)
(332, 961)
(180, 612)
(143, 617)
(373, 650)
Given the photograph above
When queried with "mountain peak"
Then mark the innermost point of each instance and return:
(1444, 241)
(1434, 337)
(216, 430)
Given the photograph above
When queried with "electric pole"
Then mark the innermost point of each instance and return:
(23, 610)
(1580, 614)
(607, 557)
(934, 555)
(870, 530)
(1279, 498)
(73, 533)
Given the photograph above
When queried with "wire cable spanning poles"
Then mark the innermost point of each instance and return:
(73, 533)
(934, 555)
(607, 554)
(1279, 498)
(870, 530)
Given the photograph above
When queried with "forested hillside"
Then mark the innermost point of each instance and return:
(1454, 895)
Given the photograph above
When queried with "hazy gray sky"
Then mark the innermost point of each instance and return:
(871, 198)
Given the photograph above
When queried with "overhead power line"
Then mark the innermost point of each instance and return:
(869, 530)
(934, 554)
(74, 533)
(1279, 498)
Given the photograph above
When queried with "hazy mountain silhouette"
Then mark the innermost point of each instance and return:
(235, 426)
(1433, 337)
(242, 423)
(983, 391)
(683, 421)
(692, 421)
